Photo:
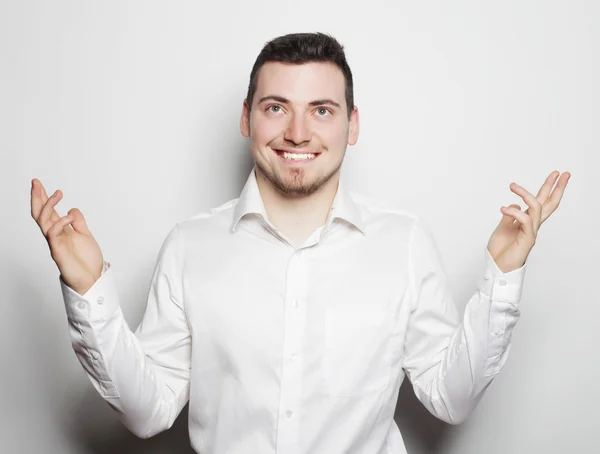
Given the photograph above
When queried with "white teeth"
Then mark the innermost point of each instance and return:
(297, 156)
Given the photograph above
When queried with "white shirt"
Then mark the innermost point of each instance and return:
(295, 350)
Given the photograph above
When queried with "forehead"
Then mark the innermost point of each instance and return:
(301, 83)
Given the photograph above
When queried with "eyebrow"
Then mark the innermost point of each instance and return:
(281, 99)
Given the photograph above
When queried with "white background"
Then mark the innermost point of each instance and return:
(132, 108)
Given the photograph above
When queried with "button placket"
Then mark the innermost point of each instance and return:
(291, 377)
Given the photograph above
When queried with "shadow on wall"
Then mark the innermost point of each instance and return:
(96, 429)
(422, 432)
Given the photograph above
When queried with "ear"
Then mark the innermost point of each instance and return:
(354, 127)
(245, 120)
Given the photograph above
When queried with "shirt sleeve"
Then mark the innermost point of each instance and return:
(144, 376)
(451, 362)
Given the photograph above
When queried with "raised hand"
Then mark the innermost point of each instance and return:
(516, 234)
(72, 245)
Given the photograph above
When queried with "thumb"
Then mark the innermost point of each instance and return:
(79, 224)
(507, 219)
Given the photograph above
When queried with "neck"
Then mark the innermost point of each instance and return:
(297, 217)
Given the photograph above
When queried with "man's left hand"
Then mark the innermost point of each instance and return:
(516, 233)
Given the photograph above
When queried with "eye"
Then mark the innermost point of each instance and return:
(323, 111)
(274, 108)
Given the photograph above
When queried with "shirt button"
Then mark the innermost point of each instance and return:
(296, 303)
(486, 277)
(289, 413)
(81, 304)
(100, 300)
(293, 356)
(502, 282)
(497, 332)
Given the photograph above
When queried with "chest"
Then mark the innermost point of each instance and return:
(246, 298)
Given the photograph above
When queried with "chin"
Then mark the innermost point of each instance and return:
(298, 182)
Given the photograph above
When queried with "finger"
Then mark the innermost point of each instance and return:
(44, 220)
(38, 199)
(535, 207)
(57, 228)
(507, 219)
(546, 188)
(554, 200)
(54, 216)
(524, 220)
(79, 223)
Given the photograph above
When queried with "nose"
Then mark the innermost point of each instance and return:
(298, 130)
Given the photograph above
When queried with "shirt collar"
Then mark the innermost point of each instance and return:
(343, 206)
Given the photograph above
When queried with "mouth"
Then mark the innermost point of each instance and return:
(295, 157)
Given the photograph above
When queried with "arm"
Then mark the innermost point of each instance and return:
(143, 376)
(450, 362)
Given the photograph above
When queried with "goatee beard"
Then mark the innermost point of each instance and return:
(297, 187)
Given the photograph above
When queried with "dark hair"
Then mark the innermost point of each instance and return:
(299, 48)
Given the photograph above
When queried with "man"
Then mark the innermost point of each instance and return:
(289, 317)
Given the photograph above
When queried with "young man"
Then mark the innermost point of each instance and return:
(289, 317)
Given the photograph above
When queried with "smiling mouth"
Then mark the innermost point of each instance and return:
(296, 156)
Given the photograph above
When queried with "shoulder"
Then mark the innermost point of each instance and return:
(215, 219)
(377, 211)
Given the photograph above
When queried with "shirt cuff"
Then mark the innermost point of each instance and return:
(501, 286)
(98, 303)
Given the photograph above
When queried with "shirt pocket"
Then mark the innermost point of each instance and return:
(356, 360)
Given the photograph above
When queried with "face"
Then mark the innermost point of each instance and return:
(299, 126)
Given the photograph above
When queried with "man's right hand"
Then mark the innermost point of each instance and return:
(72, 245)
